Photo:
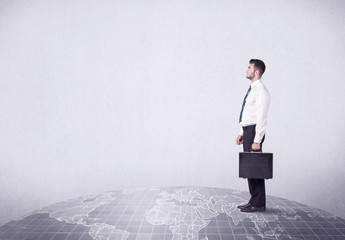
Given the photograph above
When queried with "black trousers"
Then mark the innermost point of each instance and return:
(256, 186)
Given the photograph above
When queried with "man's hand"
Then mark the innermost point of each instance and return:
(239, 140)
(256, 147)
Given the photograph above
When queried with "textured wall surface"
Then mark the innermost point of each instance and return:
(105, 95)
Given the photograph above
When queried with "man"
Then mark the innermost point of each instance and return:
(253, 121)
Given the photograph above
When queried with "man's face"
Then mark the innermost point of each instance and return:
(250, 71)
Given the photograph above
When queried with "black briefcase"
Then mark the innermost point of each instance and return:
(256, 165)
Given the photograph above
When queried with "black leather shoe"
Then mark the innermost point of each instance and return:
(244, 206)
(253, 209)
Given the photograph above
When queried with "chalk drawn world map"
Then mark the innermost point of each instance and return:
(173, 213)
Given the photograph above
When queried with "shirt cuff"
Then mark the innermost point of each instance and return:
(257, 139)
(241, 132)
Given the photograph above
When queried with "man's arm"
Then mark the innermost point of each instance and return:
(239, 139)
(262, 102)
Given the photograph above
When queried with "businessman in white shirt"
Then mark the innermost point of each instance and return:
(253, 121)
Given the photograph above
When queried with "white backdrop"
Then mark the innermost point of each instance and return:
(105, 95)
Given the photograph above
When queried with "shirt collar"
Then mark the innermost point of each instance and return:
(255, 83)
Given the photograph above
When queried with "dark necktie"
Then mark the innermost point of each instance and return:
(244, 102)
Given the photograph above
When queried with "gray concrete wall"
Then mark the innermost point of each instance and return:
(105, 95)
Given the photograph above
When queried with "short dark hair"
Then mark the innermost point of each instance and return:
(258, 65)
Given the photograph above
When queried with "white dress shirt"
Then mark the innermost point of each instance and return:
(255, 110)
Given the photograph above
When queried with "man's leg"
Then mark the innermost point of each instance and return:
(258, 194)
(256, 186)
(248, 139)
